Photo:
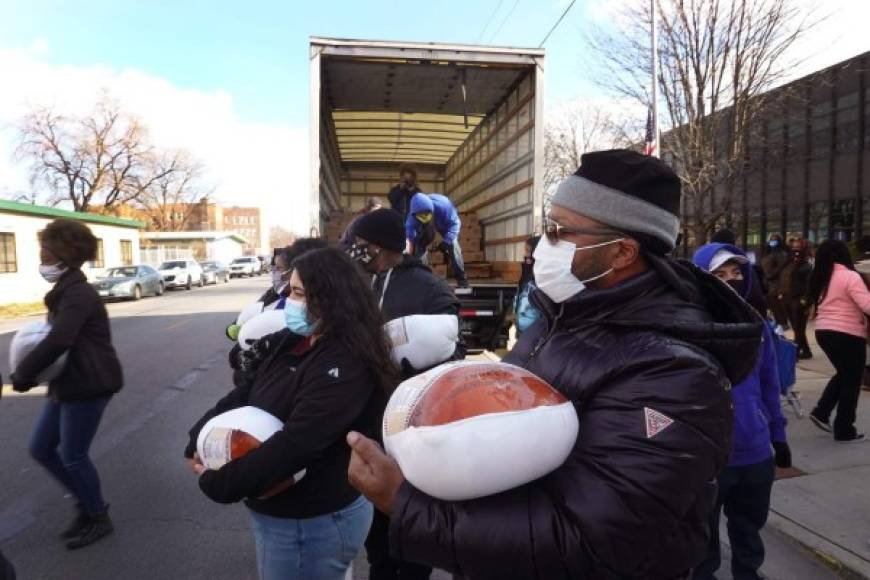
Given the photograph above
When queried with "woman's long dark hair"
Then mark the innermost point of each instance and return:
(828, 253)
(340, 298)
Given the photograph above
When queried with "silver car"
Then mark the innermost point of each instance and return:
(214, 272)
(129, 282)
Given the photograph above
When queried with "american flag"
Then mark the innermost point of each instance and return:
(649, 147)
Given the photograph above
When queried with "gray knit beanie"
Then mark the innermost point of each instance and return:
(633, 193)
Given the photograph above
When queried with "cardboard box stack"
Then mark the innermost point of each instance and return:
(471, 241)
(338, 222)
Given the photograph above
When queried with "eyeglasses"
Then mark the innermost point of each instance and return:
(554, 231)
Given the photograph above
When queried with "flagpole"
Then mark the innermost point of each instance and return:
(655, 68)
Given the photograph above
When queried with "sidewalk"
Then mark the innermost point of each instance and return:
(826, 506)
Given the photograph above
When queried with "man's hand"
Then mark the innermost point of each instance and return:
(195, 464)
(20, 385)
(444, 247)
(373, 473)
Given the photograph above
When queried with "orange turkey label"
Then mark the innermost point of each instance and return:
(473, 390)
(241, 443)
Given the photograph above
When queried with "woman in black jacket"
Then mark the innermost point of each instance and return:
(329, 374)
(92, 374)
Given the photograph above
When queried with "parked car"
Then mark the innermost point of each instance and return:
(181, 274)
(245, 266)
(215, 272)
(129, 282)
(265, 264)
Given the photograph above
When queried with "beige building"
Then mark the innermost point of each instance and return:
(20, 224)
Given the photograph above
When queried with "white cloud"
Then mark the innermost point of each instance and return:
(248, 163)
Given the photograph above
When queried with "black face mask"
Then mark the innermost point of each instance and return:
(737, 286)
(360, 254)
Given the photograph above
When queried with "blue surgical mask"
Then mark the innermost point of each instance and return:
(296, 318)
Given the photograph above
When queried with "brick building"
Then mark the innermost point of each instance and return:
(248, 223)
(206, 216)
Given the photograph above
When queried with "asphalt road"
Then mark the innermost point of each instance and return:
(173, 350)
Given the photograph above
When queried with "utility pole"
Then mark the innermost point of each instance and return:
(655, 69)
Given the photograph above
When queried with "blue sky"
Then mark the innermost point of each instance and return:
(228, 81)
(257, 51)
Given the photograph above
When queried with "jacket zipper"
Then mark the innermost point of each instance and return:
(543, 340)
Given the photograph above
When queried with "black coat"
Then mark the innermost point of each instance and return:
(414, 289)
(400, 199)
(626, 503)
(320, 393)
(80, 326)
(773, 264)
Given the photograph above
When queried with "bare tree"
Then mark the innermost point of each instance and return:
(572, 130)
(98, 160)
(176, 187)
(280, 237)
(716, 59)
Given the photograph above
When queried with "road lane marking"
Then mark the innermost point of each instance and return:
(177, 324)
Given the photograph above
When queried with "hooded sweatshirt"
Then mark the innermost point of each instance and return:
(445, 217)
(758, 417)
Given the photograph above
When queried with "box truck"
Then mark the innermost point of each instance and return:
(468, 118)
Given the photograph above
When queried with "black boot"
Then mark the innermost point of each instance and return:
(78, 525)
(805, 353)
(97, 527)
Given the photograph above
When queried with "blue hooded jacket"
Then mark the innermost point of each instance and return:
(446, 218)
(758, 418)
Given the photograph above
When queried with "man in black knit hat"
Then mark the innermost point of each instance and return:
(646, 348)
(404, 287)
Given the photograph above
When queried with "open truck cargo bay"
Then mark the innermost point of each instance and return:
(464, 116)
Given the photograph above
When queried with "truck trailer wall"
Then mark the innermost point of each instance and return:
(360, 181)
(493, 174)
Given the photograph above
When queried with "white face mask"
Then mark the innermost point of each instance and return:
(52, 274)
(553, 269)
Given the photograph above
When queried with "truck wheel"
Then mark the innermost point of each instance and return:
(201, 282)
(189, 284)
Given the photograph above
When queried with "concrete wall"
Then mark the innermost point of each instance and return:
(26, 285)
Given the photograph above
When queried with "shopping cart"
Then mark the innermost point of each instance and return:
(786, 359)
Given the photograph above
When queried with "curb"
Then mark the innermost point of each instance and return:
(845, 563)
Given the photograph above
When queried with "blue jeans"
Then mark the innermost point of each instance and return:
(320, 548)
(61, 441)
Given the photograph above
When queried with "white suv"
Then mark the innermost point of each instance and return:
(181, 274)
(245, 266)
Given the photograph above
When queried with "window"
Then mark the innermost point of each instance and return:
(8, 258)
(127, 252)
(99, 261)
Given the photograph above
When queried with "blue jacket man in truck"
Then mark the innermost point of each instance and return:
(432, 213)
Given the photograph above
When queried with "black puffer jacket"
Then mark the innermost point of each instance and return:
(411, 288)
(414, 289)
(628, 502)
(80, 326)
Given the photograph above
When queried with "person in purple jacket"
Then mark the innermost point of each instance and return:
(745, 485)
(432, 213)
